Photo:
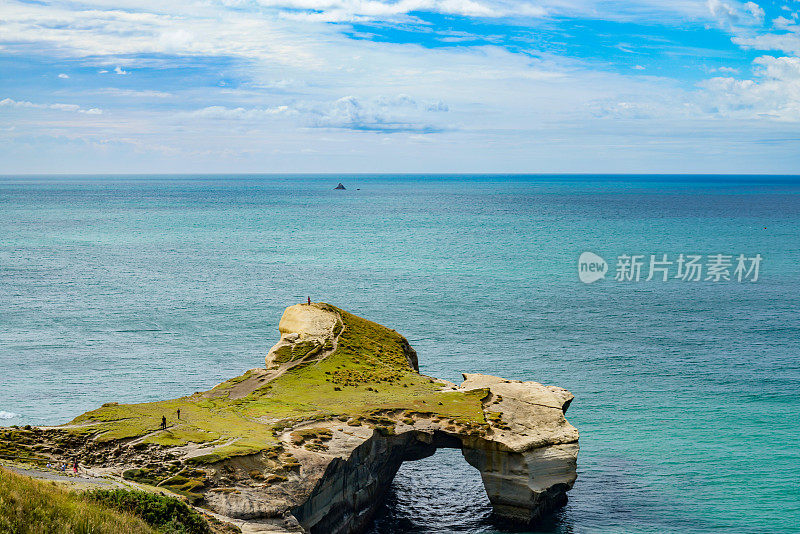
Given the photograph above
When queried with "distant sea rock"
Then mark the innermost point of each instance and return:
(340, 186)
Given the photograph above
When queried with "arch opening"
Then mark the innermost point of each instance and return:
(439, 493)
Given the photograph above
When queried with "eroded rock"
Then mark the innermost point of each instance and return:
(311, 443)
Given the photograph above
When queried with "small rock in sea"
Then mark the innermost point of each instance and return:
(340, 186)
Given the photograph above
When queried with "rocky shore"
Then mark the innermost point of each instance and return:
(311, 442)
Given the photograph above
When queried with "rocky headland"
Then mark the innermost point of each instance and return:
(311, 441)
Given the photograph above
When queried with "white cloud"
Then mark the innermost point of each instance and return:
(788, 43)
(385, 115)
(469, 104)
(723, 10)
(774, 93)
(733, 13)
(179, 28)
(63, 76)
(779, 68)
(24, 104)
(222, 112)
(784, 34)
(269, 31)
(437, 106)
(133, 93)
(397, 101)
(18, 103)
(755, 10)
(782, 23)
(271, 34)
(63, 107)
(339, 10)
(388, 114)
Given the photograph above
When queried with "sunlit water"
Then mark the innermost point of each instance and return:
(687, 394)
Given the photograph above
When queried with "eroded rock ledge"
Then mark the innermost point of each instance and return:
(311, 442)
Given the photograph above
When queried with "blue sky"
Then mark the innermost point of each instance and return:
(399, 86)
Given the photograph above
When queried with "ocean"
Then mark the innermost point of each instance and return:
(687, 392)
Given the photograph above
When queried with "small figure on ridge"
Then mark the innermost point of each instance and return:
(163, 422)
(309, 301)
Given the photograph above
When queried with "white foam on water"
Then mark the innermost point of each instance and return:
(7, 415)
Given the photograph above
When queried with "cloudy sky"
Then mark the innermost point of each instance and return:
(399, 86)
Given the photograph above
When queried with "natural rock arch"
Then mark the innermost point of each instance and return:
(522, 485)
(312, 441)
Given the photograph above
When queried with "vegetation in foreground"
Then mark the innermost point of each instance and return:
(167, 514)
(29, 506)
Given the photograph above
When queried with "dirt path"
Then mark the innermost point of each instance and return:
(260, 377)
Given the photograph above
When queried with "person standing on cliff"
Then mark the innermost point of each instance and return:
(179, 413)
(309, 301)
(163, 422)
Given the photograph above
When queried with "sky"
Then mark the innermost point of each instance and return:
(529, 86)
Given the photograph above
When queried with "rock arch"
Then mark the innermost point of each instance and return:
(525, 475)
(311, 442)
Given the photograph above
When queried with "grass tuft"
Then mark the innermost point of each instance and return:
(29, 506)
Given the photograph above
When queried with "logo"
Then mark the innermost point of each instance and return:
(684, 267)
(591, 267)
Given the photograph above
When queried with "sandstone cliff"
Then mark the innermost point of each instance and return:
(311, 442)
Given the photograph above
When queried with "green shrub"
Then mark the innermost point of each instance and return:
(167, 514)
(143, 476)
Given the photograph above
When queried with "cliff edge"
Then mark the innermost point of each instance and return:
(311, 442)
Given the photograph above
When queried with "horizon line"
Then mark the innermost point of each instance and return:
(225, 173)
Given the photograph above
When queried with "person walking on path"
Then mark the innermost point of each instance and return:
(75, 466)
(163, 422)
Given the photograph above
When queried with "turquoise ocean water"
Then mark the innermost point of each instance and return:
(687, 394)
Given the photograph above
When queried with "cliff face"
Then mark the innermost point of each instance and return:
(311, 442)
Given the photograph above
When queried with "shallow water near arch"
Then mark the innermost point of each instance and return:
(438, 494)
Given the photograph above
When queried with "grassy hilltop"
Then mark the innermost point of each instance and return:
(256, 430)
(368, 372)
